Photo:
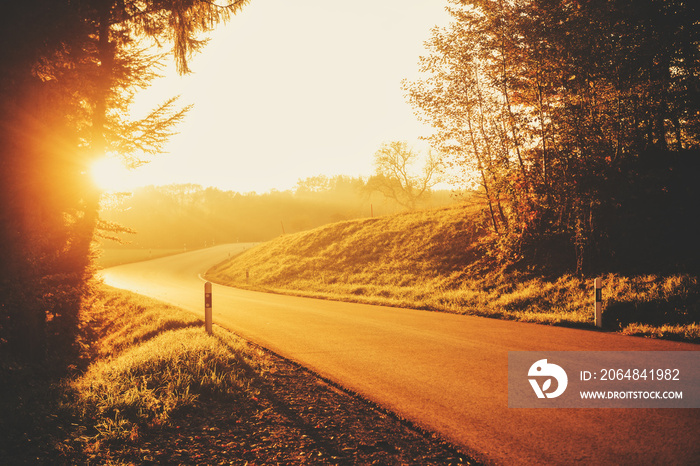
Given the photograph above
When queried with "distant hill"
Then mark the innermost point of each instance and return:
(434, 259)
(396, 250)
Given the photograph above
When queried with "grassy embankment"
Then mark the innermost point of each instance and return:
(429, 260)
(150, 362)
(159, 390)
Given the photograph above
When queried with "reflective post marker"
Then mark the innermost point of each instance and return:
(599, 302)
(207, 307)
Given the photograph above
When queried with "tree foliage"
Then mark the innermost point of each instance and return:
(558, 109)
(69, 72)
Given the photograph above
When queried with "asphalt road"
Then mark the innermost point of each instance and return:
(444, 372)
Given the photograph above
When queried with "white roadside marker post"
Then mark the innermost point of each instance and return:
(207, 307)
(599, 302)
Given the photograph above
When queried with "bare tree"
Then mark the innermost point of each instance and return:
(394, 176)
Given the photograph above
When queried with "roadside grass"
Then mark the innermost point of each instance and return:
(431, 260)
(151, 361)
(162, 391)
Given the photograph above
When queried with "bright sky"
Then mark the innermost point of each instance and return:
(292, 89)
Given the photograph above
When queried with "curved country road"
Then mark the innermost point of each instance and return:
(444, 372)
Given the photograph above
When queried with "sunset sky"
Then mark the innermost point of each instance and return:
(289, 90)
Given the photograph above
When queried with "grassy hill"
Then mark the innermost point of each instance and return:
(431, 260)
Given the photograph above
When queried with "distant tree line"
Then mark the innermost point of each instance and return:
(578, 120)
(191, 216)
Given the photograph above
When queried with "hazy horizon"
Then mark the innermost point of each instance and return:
(284, 92)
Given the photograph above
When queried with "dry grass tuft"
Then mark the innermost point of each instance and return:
(152, 360)
(126, 319)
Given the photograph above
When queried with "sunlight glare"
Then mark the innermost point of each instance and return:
(110, 175)
(308, 108)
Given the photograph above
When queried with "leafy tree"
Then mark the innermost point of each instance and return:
(548, 104)
(394, 176)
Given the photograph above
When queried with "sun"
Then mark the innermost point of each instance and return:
(110, 175)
